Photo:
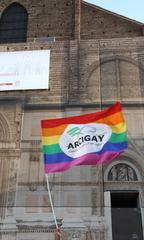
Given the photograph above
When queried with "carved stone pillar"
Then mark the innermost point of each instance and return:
(10, 140)
(77, 19)
(11, 193)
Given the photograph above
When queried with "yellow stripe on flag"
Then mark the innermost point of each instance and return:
(119, 128)
(50, 140)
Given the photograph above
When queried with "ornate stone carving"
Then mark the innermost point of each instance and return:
(122, 172)
(71, 234)
(4, 129)
(94, 201)
(12, 186)
(32, 187)
(35, 150)
(35, 157)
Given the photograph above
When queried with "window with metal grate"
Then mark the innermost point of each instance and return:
(13, 24)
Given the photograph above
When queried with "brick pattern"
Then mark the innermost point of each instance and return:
(82, 72)
(73, 19)
(97, 23)
(87, 71)
(54, 18)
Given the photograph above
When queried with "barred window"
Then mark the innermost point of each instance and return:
(13, 24)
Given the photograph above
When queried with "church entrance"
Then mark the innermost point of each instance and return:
(126, 215)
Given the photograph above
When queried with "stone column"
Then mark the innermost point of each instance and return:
(77, 19)
(74, 72)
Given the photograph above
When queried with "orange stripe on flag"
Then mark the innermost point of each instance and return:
(54, 131)
(111, 120)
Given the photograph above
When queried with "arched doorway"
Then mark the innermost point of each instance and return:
(124, 192)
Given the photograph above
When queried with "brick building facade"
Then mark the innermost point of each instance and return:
(96, 59)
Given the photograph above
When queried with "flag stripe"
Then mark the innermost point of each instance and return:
(50, 140)
(54, 131)
(55, 148)
(56, 157)
(88, 159)
(87, 118)
(119, 128)
(52, 149)
(114, 119)
(62, 157)
(121, 137)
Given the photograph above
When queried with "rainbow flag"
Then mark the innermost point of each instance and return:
(88, 139)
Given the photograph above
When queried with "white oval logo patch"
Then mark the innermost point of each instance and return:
(80, 139)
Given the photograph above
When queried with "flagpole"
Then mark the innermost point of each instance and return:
(52, 206)
(102, 170)
(100, 90)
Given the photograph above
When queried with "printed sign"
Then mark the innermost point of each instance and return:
(23, 70)
(80, 139)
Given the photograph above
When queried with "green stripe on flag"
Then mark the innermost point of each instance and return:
(52, 149)
(55, 148)
(121, 137)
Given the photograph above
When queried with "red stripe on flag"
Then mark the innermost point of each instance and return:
(87, 118)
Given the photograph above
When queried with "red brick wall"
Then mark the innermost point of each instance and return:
(61, 19)
(97, 23)
(52, 18)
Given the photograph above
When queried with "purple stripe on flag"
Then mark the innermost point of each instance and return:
(88, 159)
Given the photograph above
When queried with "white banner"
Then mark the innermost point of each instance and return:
(23, 70)
(80, 139)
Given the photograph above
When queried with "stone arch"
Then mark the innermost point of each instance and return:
(13, 24)
(96, 64)
(111, 75)
(5, 134)
(124, 170)
(8, 3)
